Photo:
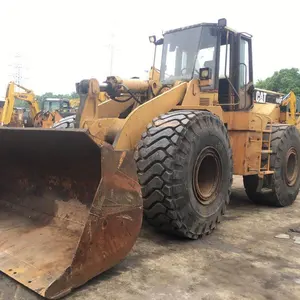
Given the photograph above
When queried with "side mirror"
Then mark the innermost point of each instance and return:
(152, 39)
(222, 22)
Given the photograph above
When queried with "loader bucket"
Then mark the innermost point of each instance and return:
(69, 208)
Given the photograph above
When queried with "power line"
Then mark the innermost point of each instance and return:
(112, 48)
(18, 68)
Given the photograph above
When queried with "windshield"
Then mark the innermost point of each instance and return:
(65, 106)
(51, 105)
(55, 105)
(186, 51)
(46, 106)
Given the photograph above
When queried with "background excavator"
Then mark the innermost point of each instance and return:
(52, 110)
(289, 104)
(165, 148)
(290, 109)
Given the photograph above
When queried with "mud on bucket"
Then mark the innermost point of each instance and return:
(69, 209)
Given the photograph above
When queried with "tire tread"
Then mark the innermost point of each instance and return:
(171, 136)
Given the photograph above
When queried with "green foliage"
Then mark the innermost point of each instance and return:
(20, 103)
(74, 95)
(51, 95)
(282, 81)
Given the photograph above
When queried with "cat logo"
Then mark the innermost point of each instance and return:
(260, 97)
(279, 100)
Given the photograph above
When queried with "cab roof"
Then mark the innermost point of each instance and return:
(196, 25)
(190, 26)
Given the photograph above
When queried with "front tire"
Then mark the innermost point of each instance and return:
(184, 163)
(285, 161)
(67, 122)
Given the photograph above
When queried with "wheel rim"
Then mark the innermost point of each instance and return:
(207, 175)
(291, 167)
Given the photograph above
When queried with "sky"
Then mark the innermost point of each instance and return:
(60, 42)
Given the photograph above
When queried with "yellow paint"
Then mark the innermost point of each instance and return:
(139, 118)
(112, 109)
(290, 100)
(28, 96)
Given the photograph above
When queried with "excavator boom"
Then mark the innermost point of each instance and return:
(38, 117)
(290, 100)
(8, 107)
(27, 96)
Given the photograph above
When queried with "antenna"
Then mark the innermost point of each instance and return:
(18, 68)
(111, 47)
(17, 75)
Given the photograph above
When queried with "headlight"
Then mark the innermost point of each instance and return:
(205, 74)
(152, 39)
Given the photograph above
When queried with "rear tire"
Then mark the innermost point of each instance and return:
(284, 184)
(68, 122)
(184, 164)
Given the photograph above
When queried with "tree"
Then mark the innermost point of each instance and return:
(51, 95)
(20, 103)
(282, 81)
(74, 95)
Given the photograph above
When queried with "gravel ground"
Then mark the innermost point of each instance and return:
(242, 259)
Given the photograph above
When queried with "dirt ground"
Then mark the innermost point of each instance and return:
(242, 259)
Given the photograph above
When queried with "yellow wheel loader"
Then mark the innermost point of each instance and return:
(166, 148)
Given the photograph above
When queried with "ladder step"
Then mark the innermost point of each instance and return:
(263, 172)
(258, 141)
(255, 141)
(267, 172)
(266, 151)
(264, 131)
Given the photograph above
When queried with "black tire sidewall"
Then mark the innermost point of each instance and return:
(67, 122)
(286, 194)
(215, 138)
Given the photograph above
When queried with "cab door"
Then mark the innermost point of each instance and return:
(244, 80)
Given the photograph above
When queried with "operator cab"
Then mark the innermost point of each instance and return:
(57, 104)
(220, 57)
